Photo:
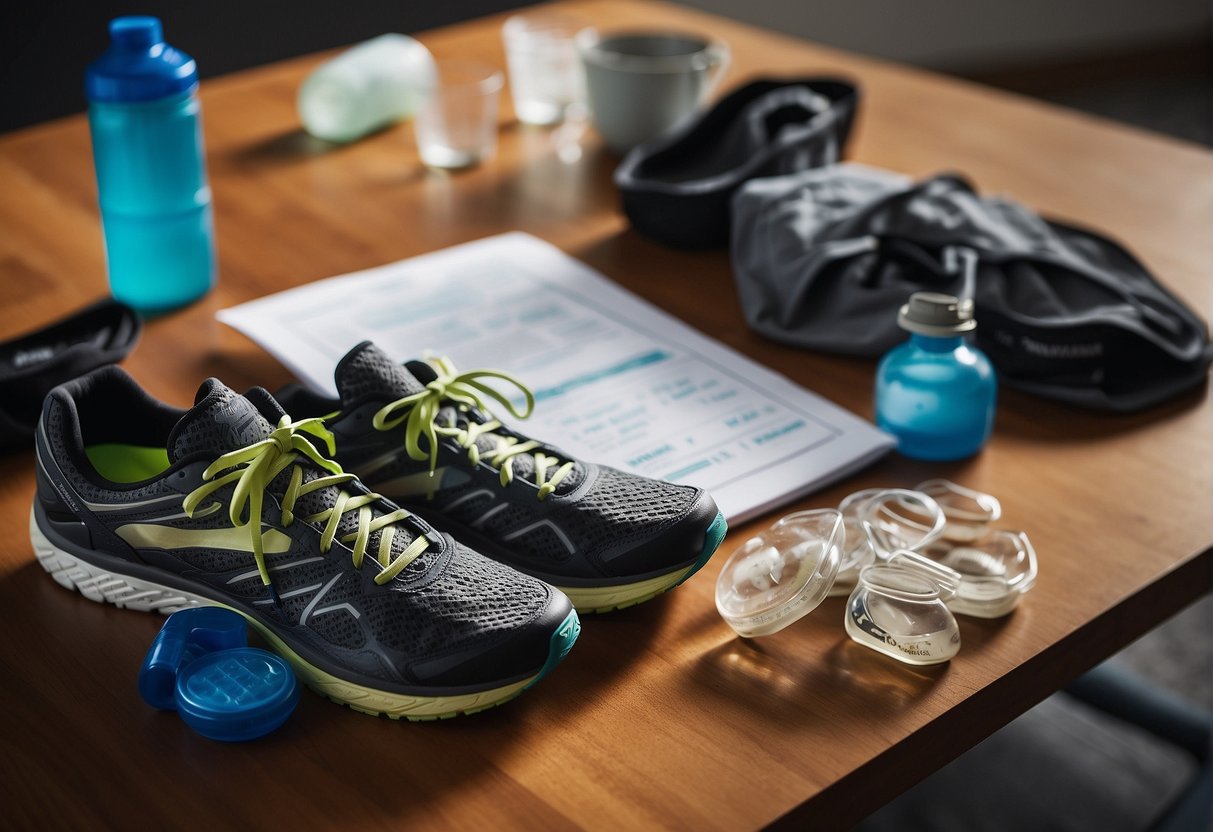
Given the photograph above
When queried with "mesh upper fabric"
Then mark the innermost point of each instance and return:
(620, 510)
(473, 598)
(221, 421)
(367, 371)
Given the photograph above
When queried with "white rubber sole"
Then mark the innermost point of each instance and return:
(128, 592)
(104, 587)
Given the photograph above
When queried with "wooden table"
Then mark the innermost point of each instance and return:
(660, 717)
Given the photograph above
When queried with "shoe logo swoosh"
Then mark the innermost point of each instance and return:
(232, 539)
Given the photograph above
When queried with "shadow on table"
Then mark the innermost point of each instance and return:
(287, 146)
(779, 676)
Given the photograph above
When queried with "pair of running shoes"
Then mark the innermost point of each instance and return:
(407, 553)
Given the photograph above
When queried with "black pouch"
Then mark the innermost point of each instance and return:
(32, 364)
(677, 188)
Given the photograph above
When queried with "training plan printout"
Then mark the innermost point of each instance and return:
(616, 380)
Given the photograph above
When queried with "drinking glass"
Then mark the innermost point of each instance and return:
(457, 125)
(546, 77)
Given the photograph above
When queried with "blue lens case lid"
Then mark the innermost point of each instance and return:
(200, 666)
(236, 694)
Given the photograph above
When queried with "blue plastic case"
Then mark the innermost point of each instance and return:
(200, 666)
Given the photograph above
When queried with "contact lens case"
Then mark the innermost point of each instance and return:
(201, 666)
(968, 513)
(908, 559)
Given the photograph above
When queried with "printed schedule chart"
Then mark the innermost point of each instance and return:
(616, 380)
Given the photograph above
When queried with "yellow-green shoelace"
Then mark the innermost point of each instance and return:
(252, 468)
(419, 412)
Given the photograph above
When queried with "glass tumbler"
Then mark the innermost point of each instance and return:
(546, 78)
(457, 125)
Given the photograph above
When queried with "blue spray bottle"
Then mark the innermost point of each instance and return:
(936, 393)
(144, 116)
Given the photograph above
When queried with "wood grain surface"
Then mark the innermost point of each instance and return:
(659, 717)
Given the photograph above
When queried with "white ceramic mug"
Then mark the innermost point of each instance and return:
(642, 83)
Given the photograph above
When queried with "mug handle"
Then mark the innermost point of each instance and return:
(719, 57)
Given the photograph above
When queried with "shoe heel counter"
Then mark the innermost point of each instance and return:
(55, 502)
(48, 496)
(58, 508)
(54, 496)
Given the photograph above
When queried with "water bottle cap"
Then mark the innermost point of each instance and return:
(139, 65)
(136, 32)
(936, 314)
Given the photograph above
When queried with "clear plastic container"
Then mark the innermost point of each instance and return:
(968, 513)
(995, 571)
(369, 86)
(879, 521)
(782, 574)
(898, 608)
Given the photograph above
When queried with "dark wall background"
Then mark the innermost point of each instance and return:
(45, 46)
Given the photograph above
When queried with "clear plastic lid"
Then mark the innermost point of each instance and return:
(932, 579)
(898, 518)
(781, 574)
(994, 571)
(968, 512)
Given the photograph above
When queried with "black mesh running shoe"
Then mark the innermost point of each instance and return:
(233, 504)
(423, 435)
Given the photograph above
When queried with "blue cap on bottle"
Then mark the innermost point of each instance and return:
(139, 65)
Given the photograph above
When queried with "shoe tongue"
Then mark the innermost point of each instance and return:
(220, 421)
(367, 372)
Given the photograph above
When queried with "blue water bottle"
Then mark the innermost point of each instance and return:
(936, 393)
(144, 116)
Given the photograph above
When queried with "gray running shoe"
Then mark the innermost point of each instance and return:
(423, 435)
(233, 504)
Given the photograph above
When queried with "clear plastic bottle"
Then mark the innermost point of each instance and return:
(368, 86)
(145, 121)
(936, 393)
